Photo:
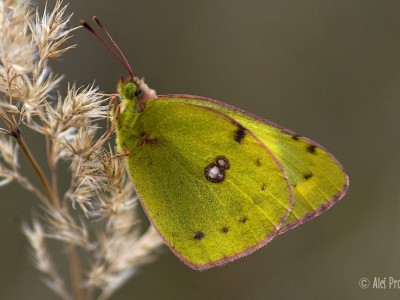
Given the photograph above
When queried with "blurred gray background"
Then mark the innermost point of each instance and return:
(329, 70)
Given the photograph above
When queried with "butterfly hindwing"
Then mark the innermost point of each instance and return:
(212, 188)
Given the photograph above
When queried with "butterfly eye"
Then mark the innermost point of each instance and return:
(130, 90)
(138, 92)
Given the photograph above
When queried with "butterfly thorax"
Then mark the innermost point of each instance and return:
(135, 94)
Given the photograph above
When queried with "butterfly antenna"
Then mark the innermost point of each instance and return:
(116, 54)
(101, 26)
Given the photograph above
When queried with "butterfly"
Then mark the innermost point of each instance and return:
(217, 182)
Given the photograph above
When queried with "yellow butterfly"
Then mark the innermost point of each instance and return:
(215, 181)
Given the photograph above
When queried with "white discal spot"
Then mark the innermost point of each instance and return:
(214, 172)
(222, 163)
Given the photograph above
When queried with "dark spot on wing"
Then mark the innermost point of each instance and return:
(240, 133)
(263, 186)
(308, 175)
(224, 229)
(311, 149)
(199, 235)
(146, 140)
(324, 206)
(258, 162)
(243, 220)
(222, 162)
(296, 137)
(215, 172)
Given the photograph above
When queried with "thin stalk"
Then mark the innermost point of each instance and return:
(72, 256)
(89, 293)
(53, 198)
(52, 167)
(76, 277)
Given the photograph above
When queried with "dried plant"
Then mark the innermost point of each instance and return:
(94, 219)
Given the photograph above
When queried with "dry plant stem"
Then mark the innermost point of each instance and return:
(53, 168)
(89, 293)
(72, 256)
(53, 198)
(76, 277)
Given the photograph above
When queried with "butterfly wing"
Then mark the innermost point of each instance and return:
(212, 188)
(317, 178)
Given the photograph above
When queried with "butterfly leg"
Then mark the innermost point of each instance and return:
(113, 110)
(126, 153)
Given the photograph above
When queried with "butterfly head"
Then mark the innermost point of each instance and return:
(135, 90)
